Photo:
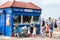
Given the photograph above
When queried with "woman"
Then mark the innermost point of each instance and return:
(55, 24)
(42, 27)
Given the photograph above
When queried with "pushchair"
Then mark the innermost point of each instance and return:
(22, 31)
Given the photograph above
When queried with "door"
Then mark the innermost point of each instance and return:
(2, 23)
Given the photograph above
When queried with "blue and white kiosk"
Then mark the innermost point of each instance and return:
(23, 12)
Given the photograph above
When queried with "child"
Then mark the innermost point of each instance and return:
(34, 31)
(47, 29)
(28, 31)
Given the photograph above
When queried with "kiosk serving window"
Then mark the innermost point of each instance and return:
(26, 19)
(36, 19)
(17, 19)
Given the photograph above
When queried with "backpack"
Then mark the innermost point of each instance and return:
(43, 23)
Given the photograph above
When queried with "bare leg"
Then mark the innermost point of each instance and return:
(35, 35)
(50, 34)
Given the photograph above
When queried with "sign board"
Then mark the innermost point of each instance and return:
(7, 19)
(28, 10)
(25, 10)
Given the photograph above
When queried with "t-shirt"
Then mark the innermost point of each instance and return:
(58, 23)
(34, 30)
(47, 28)
(28, 30)
(51, 26)
(55, 24)
(31, 29)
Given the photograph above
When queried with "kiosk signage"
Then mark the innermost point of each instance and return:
(7, 20)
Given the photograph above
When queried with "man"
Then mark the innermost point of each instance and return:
(51, 27)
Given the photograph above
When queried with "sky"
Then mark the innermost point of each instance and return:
(50, 8)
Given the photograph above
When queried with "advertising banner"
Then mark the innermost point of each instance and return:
(8, 20)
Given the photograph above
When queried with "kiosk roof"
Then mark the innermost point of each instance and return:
(20, 4)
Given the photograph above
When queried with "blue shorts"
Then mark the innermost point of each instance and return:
(51, 30)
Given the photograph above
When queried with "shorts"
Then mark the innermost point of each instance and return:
(51, 30)
(34, 33)
(47, 31)
(31, 32)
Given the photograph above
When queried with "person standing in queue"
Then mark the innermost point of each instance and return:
(55, 24)
(34, 31)
(51, 28)
(47, 29)
(29, 31)
(16, 30)
(42, 27)
(58, 24)
(31, 28)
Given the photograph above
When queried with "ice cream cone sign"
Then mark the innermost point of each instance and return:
(8, 23)
(7, 20)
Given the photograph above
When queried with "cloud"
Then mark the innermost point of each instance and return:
(23, 0)
(10, 0)
(45, 2)
(2, 1)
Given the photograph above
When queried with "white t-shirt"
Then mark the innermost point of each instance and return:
(28, 30)
(58, 23)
